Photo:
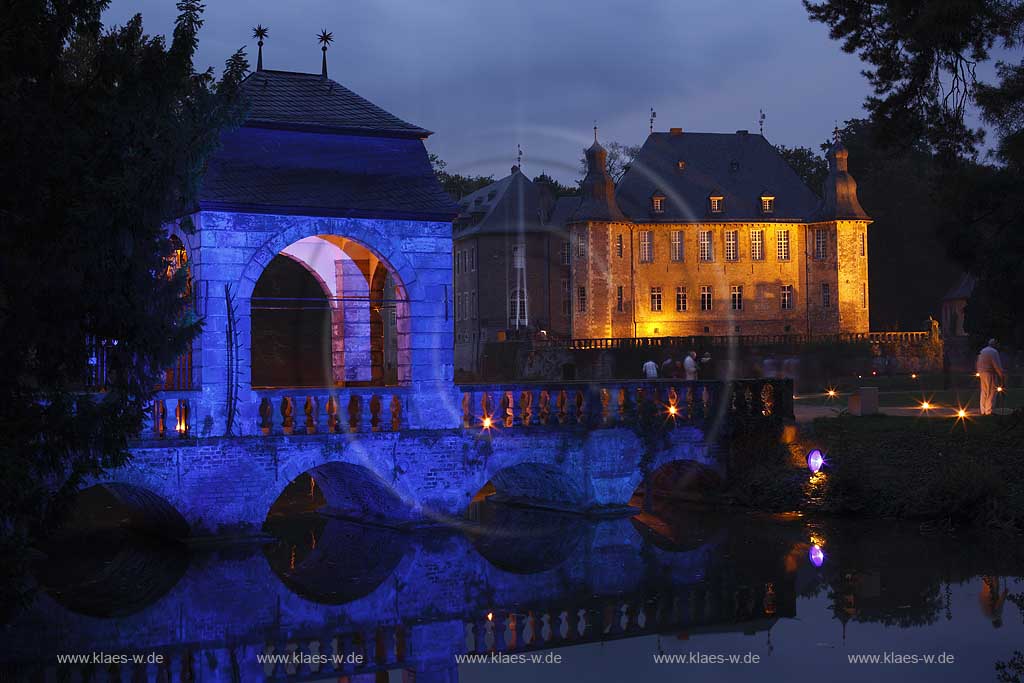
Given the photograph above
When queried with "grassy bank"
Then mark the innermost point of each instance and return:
(939, 472)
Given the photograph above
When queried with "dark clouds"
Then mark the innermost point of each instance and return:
(487, 75)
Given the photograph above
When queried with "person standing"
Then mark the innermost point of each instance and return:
(650, 370)
(990, 369)
(690, 366)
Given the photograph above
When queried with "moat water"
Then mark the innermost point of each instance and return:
(525, 595)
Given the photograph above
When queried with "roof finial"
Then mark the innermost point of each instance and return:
(761, 119)
(260, 32)
(519, 156)
(325, 38)
(595, 131)
(835, 134)
(654, 115)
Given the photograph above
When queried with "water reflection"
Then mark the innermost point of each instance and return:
(518, 581)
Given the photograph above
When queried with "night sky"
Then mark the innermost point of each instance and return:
(485, 76)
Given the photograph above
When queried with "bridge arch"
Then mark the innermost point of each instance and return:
(675, 480)
(111, 506)
(538, 484)
(342, 489)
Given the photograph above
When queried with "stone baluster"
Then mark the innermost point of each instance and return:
(395, 412)
(508, 409)
(355, 410)
(581, 406)
(481, 632)
(287, 415)
(376, 406)
(572, 624)
(312, 410)
(159, 418)
(563, 406)
(181, 415)
(499, 632)
(487, 409)
(544, 407)
(467, 410)
(526, 407)
(333, 422)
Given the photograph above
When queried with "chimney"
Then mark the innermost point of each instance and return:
(742, 131)
(675, 131)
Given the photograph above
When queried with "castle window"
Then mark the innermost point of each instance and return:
(566, 297)
(736, 297)
(458, 262)
(618, 245)
(472, 258)
(717, 203)
(564, 252)
(472, 307)
(757, 245)
(657, 203)
(581, 300)
(517, 308)
(820, 244)
(518, 257)
(655, 299)
(864, 295)
(704, 242)
(619, 301)
(732, 245)
(681, 302)
(705, 297)
(863, 245)
(646, 246)
(782, 245)
(676, 242)
(767, 204)
(581, 246)
(787, 297)
(826, 295)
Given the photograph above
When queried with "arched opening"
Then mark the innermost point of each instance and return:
(675, 482)
(114, 507)
(342, 490)
(328, 311)
(532, 484)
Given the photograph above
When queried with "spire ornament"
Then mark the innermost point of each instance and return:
(259, 32)
(325, 38)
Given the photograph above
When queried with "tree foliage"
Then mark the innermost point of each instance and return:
(923, 59)
(557, 188)
(808, 164)
(105, 134)
(620, 156)
(455, 184)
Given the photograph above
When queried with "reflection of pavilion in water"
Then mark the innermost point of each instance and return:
(330, 587)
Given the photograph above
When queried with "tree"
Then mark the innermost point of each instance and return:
(105, 135)
(810, 166)
(456, 185)
(558, 188)
(620, 156)
(923, 61)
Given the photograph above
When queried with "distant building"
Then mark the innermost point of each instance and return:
(704, 234)
(953, 306)
(511, 265)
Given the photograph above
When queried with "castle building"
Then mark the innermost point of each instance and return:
(704, 234)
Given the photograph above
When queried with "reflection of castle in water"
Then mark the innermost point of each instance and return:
(516, 581)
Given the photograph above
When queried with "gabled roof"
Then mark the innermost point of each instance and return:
(297, 101)
(739, 166)
(963, 288)
(319, 174)
(513, 204)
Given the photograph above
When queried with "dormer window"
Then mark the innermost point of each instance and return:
(681, 165)
(767, 204)
(658, 203)
(717, 203)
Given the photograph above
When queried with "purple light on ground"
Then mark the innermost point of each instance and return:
(815, 460)
(817, 555)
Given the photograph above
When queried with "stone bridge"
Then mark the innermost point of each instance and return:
(575, 446)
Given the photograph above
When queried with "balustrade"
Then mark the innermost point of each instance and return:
(331, 411)
(611, 403)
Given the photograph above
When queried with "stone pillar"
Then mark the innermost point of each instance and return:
(354, 292)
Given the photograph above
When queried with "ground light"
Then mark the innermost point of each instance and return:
(487, 422)
(672, 410)
(831, 393)
(816, 555)
(815, 460)
(926, 405)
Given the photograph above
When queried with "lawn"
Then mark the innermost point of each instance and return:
(910, 398)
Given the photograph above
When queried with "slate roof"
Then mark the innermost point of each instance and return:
(963, 288)
(293, 172)
(738, 166)
(513, 204)
(310, 146)
(297, 101)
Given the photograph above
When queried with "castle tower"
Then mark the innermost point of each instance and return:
(837, 254)
(590, 230)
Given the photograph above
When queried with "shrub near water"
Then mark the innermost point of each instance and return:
(928, 469)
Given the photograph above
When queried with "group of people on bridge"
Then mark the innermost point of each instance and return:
(689, 368)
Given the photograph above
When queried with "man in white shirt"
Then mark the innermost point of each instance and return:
(650, 370)
(990, 368)
(690, 366)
